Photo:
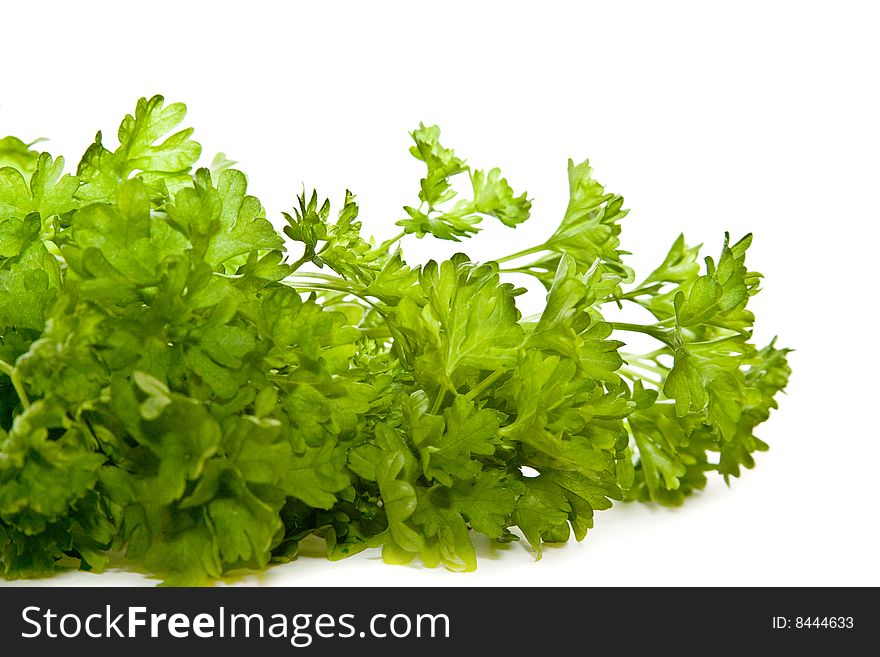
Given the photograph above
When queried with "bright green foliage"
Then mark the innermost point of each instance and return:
(16, 154)
(492, 195)
(177, 387)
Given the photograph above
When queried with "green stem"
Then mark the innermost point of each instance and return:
(384, 246)
(651, 356)
(521, 270)
(712, 343)
(634, 376)
(323, 277)
(322, 287)
(645, 363)
(639, 291)
(485, 383)
(438, 402)
(306, 285)
(376, 332)
(12, 373)
(655, 332)
(660, 371)
(520, 254)
(299, 263)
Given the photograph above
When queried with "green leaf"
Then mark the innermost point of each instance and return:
(459, 222)
(542, 513)
(246, 527)
(29, 278)
(701, 304)
(764, 380)
(566, 325)
(343, 248)
(494, 197)
(672, 455)
(441, 162)
(685, 385)
(726, 393)
(589, 230)
(469, 323)
(469, 431)
(223, 222)
(445, 537)
(41, 478)
(48, 191)
(487, 502)
(16, 154)
(242, 225)
(315, 475)
(658, 438)
(178, 442)
(400, 501)
(145, 149)
(679, 266)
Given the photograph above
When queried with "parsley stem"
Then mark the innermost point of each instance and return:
(639, 291)
(634, 376)
(12, 373)
(438, 402)
(645, 364)
(384, 246)
(299, 263)
(713, 343)
(376, 332)
(656, 333)
(520, 254)
(321, 287)
(485, 383)
(323, 277)
(520, 270)
(656, 369)
(308, 285)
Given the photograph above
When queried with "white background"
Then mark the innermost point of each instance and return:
(757, 117)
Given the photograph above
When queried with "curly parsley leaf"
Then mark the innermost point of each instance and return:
(491, 194)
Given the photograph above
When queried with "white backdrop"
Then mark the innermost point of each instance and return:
(759, 117)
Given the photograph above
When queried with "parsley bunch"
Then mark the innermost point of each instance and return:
(178, 387)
